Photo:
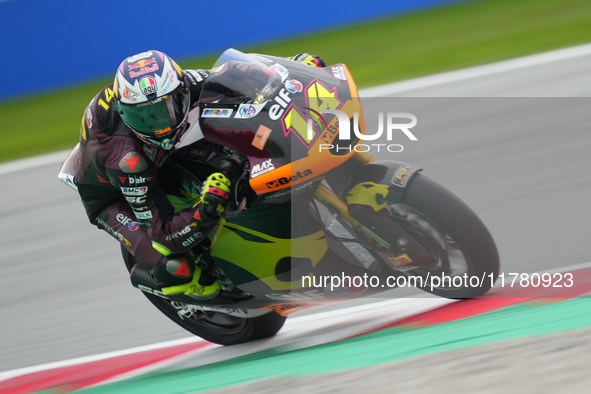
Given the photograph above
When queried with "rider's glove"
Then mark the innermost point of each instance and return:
(310, 60)
(215, 192)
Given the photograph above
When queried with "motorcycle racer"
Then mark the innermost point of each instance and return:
(128, 131)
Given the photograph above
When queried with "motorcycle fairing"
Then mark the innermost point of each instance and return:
(298, 93)
(379, 182)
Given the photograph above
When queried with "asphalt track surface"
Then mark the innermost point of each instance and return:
(65, 292)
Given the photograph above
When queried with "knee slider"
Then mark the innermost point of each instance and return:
(174, 270)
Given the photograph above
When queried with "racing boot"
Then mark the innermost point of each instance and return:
(179, 275)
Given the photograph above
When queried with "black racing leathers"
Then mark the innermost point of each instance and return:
(118, 182)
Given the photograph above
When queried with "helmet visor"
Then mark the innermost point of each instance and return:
(159, 119)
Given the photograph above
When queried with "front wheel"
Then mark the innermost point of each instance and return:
(467, 260)
(215, 327)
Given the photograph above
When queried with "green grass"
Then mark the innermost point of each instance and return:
(376, 52)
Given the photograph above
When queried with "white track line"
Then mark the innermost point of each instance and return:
(383, 90)
(98, 357)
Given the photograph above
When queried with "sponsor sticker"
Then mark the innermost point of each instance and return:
(139, 56)
(136, 200)
(282, 71)
(339, 72)
(263, 59)
(217, 113)
(142, 63)
(133, 226)
(180, 233)
(101, 179)
(133, 162)
(148, 85)
(130, 94)
(218, 68)
(260, 169)
(163, 131)
(145, 70)
(171, 80)
(261, 137)
(284, 181)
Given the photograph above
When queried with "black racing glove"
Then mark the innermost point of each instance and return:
(310, 60)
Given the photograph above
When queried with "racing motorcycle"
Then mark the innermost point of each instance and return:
(306, 207)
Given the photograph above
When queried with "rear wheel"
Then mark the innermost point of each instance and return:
(215, 327)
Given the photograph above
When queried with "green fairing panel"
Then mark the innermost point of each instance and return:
(259, 253)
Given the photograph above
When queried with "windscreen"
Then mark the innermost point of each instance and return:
(238, 78)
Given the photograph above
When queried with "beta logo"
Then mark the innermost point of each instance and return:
(130, 94)
(124, 220)
(284, 181)
(138, 180)
(142, 63)
(192, 239)
(180, 233)
(260, 169)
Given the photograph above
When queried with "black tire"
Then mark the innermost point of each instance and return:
(216, 327)
(221, 328)
(456, 220)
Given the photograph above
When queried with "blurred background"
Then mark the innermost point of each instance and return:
(58, 54)
(65, 291)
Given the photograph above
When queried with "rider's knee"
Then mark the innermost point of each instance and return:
(174, 270)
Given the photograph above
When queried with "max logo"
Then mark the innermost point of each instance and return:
(142, 63)
(133, 162)
(284, 181)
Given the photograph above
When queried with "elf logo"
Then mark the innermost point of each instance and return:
(132, 162)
